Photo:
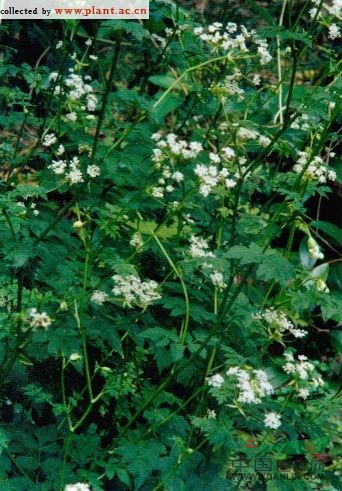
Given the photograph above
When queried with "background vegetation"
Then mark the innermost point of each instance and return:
(170, 249)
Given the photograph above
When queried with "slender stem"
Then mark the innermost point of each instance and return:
(280, 77)
(106, 94)
(185, 325)
(85, 352)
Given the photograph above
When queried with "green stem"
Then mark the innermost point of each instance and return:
(85, 353)
(106, 94)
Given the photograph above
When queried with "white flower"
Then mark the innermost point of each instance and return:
(98, 297)
(272, 420)
(334, 32)
(246, 134)
(80, 486)
(314, 249)
(211, 414)
(71, 116)
(215, 380)
(228, 153)
(322, 286)
(88, 42)
(75, 176)
(53, 76)
(314, 168)
(60, 150)
(256, 80)
(217, 280)
(39, 319)
(58, 167)
(178, 176)
(93, 57)
(135, 291)
(91, 102)
(303, 393)
(59, 44)
(199, 247)
(264, 141)
(137, 240)
(157, 192)
(49, 139)
(93, 170)
(214, 157)
(279, 324)
(253, 385)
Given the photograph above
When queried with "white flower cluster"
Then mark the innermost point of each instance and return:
(135, 291)
(39, 319)
(301, 123)
(272, 420)
(314, 249)
(217, 280)
(229, 86)
(279, 324)
(199, 247)
(334, 32)
(23, 209)
(215, 380)
(210, 177)
(136, 240)
(99, 297)
(233, 38)
(168, 152)
(252, 384)
(69, 168)
(306, 377)
(335, 9)
(325, 10)
(171, 147)
(49, 139)
(80, 486)
(78, 92)
(316, 170)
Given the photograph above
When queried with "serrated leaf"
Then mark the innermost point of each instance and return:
(132, 27)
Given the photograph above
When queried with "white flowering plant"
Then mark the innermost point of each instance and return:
(170, 247)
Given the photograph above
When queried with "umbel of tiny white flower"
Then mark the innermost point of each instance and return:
(99, 297)
(278, 324)
(272, 420)
(210, 177)
(49, 139)
(199, 247)
(170, 151)
(314, 170)
(135, 291)
(252, 384)
(217, 280)
(314, 249)
(136, 240)
(306, 379)
(79, 486)
(215, 380)
(39, 319)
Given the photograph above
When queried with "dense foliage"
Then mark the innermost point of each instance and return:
(170, 250)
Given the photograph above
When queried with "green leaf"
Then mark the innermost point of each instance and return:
(132, 27)
(177, 352)
(276, 267)
(247, 255)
